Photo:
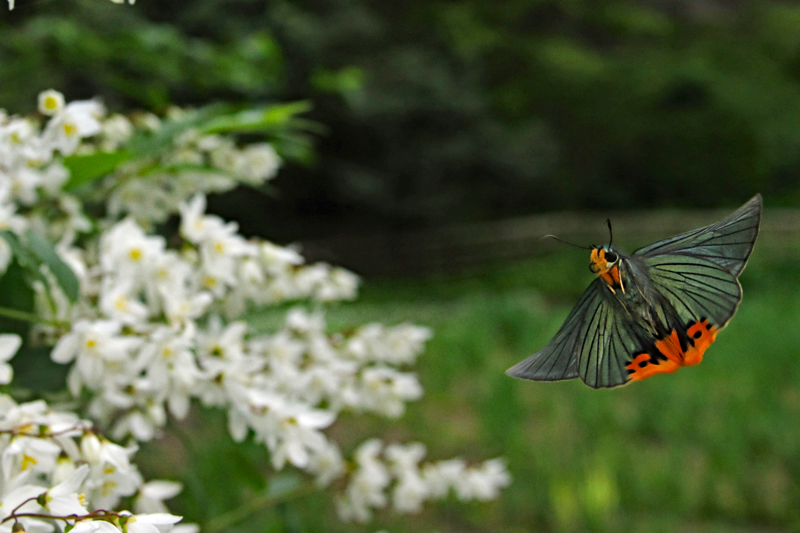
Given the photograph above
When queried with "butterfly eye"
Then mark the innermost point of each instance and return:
(611, 257)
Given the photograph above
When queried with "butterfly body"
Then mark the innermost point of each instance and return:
(653, 311)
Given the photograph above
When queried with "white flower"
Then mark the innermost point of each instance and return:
(221, 248)
(142, 424)
(186, 528)
(481, 483)
(63, 499)
(6, 255)
(150, 523)
(226, 157)
(299, 321)
(112, 475)
(153, 493)
(53, 177)
(385, 390)
(119, 300)
(9, 344)
(24, 184)
(258, 163)
(221, 342)
(25, 453)
(443, 475)
(411, 490)
(144, 199)
(16, 492)
(174, 289)
(291, 430)
(126, 251)
(170, 366)
(93, 345)
(340, 284)
(277, 258)
(51, 102)
(397, 345)
(9, 219)
(117, 129)
(484, 483)
(75, 121)
(299, 436)
(194, 225)
(367, 485)
(34, 415)
(326, 464)
(95, 526)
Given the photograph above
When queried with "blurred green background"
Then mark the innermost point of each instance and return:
(451, 112)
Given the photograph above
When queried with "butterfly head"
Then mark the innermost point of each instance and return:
(603, 259)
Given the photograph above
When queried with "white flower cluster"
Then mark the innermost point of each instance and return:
(148, 188)
(413, 483)
(196, 163)
(53, 468)
(27, 153)
(156, 326)
(148, 336)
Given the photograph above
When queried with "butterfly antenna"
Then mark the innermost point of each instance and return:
(565, 242)
(610, 235)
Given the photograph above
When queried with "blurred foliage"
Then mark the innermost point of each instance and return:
(445, 111)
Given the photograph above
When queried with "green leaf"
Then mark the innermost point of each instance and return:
(160, 141)
(24, 257)
(15, 293)
(36, 371)
(64, 275)
(85, 169)
(267, 119)
(343, 81)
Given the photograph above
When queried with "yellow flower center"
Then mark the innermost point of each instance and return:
(27, 461)
(70, 130)
(50, 103)
(121, 303)
(108, 487)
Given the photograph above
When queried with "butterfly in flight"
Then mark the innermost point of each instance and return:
(653, 311)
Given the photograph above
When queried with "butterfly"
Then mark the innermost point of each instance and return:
(653, 311)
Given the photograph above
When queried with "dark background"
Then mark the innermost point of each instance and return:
(443, 112)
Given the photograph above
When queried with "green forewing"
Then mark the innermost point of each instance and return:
(594, 343)
(697, 271)
(727, 243)
(696, 288)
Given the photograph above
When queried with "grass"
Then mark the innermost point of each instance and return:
(711, 448)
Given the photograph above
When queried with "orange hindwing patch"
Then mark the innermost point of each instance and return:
(668, 355)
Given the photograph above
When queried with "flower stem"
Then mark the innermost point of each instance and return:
(24, 316)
